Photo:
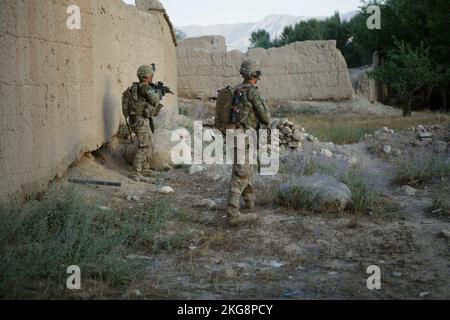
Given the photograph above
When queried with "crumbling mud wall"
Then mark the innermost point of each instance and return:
(310, 70)
(61, 89)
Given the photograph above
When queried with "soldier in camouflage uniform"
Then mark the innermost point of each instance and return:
(144, 104)
(253, 114)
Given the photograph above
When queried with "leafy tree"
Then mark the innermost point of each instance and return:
(260, 39)
(407, 70)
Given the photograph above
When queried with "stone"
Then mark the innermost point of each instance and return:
(283, 121)
(424, 294)
(298, 136)
(444, 234)
(425, 135)
(385, 136)
(420, 127)
(286, 130)
(326, 152)
(387, 149)
(397, 274)
(440, 146)
(210, 204)
(195, 168)
(289, 124)
(353, 160)
(165, 190)
(326, 193)
(409, 191)
(397, 153)
(294, 145)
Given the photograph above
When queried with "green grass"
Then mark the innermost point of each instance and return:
(419, 171)
(38, 245)
(364, 198)
(351, 129)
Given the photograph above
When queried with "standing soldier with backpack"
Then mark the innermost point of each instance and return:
(249, 111)
(140, 103)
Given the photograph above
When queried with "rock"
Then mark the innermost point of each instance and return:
(385, 136)
(409, 191)
(420, 127)
(424, 294)
(289, 124)
(276, 264)
(210, 204)
(353, 160)
(397, 274)
(391, 131)
(295, 145)
(314, 153)
(210, 122)
(286, 130)
(195, 168)
(387, 149)
(425, 135)
(136, 198)
(165, 190)
(275, 124)
(397, 153)
(161, 158)
(444, 234)
(298, 136)
(324, 193)
(326, 152)
(440, 146)
(283, 121)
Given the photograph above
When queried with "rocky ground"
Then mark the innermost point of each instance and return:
(290, 253)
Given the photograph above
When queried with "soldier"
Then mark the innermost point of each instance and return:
(142, 104)
(253, 114)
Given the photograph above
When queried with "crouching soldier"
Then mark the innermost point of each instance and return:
(140, 103)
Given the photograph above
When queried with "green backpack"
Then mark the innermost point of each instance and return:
(129, 99)
(227, 109)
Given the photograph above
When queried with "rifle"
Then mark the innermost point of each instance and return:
(129, 130)
(161, 88)
(96, 182)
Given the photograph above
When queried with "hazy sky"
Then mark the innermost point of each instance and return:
(206, 12)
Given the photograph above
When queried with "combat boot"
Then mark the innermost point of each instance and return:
(137, 176)
(148, 173)
(239, 219)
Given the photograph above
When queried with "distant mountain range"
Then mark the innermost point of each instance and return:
(237, 35)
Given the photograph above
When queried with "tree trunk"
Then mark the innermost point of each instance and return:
(407, 108)
(444, 106)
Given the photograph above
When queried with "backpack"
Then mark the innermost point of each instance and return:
(227, 109)
(129, 97)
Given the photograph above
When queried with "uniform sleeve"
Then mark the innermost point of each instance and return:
(259, 104)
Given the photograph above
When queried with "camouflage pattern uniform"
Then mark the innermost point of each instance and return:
(253, 114)
(144, 106)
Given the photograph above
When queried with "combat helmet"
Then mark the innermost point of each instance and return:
(250, 69)
(146, 71)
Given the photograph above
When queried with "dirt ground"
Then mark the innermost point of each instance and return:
(287, 254)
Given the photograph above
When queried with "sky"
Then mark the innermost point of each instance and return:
(207, 12)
